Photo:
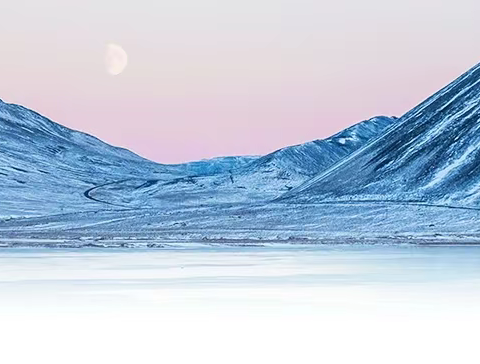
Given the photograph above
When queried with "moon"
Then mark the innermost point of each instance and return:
(116, 59)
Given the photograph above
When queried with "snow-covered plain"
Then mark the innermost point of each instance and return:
(262, 225)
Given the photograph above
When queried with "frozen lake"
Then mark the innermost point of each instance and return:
(344, 304)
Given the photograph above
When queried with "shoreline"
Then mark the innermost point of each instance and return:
(61, 243)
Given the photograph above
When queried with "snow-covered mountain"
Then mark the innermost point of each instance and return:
(263, 179)
(45, 168)
(432, 154)
(413, 179)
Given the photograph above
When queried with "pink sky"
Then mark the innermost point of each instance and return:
(217, 77)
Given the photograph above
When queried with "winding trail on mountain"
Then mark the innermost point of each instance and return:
(88, 192)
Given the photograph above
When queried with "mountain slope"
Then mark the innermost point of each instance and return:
(45, 167)
(288, 167)
(432, 154)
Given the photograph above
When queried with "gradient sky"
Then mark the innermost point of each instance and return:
(221, 77)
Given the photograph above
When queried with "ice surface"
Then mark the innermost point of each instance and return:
(323, 304)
